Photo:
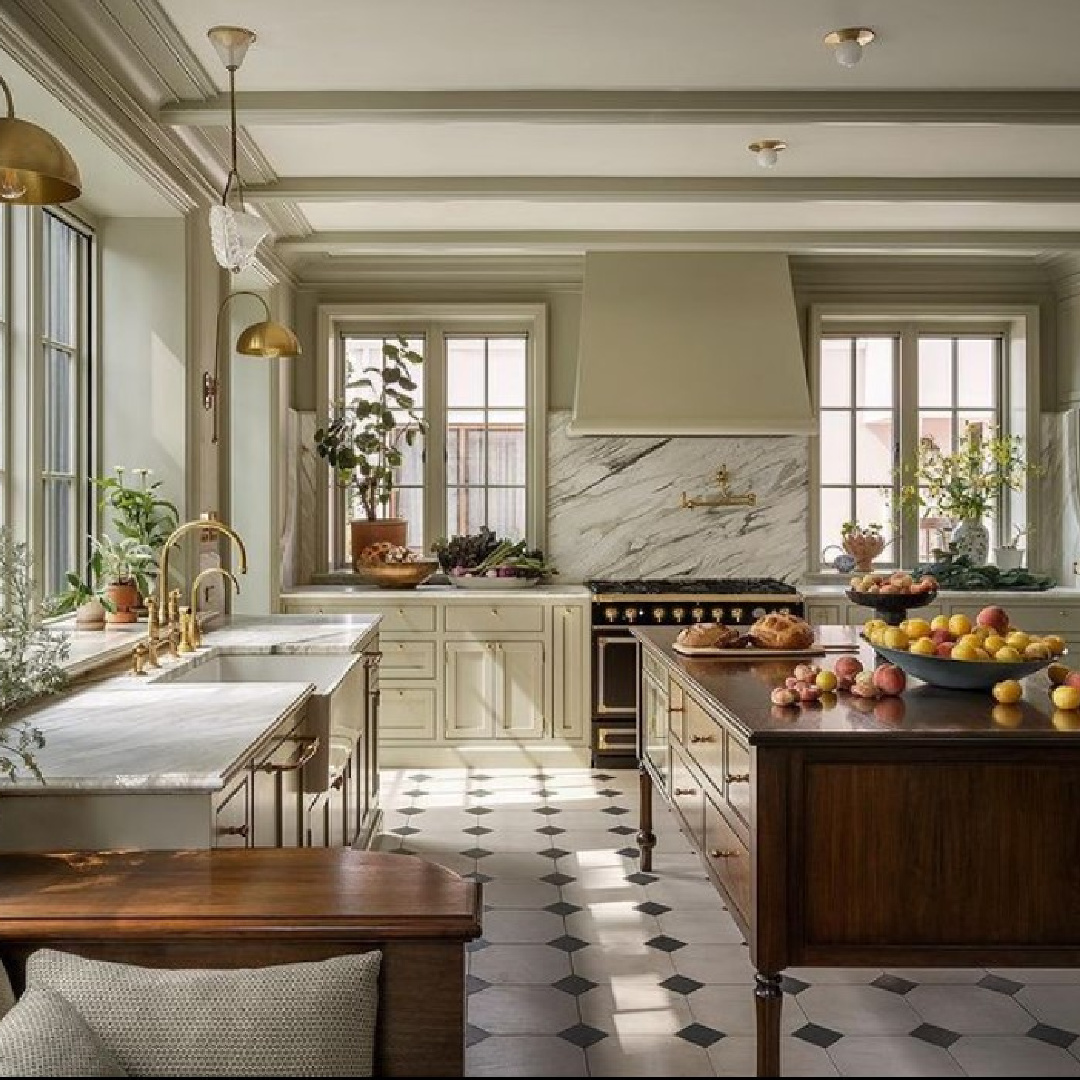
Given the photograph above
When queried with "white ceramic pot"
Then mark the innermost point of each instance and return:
(91, 615)
(1008, 558)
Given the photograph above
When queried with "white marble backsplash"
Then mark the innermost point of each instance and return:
(1057, 533)
(613, 505)
(298, 535)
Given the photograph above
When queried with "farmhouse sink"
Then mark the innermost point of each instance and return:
(335, 711)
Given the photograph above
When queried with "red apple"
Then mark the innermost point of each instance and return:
(847, 667)
(996, 618)
(945, 649)
(938, 636)
(889, 679)
(1073, 679)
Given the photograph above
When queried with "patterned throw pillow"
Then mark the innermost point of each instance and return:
(7, 995)
(308, 1019)
(43, 1035)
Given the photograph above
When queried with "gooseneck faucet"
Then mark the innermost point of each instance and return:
(204, 521)
(196, 634)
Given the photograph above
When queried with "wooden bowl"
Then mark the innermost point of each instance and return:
(406, 575)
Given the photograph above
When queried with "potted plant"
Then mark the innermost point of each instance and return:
(1011, 556)
(126, 566)
(864, 543)
(84, 596)
(965, 485)
(362, 442)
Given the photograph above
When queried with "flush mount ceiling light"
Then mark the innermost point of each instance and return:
(35, 168)
(266, 339)
(767, 151)
(848, 44)
(234, 233)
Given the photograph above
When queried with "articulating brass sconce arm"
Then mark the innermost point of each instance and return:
(725, 498)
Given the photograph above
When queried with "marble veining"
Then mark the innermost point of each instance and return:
(613, 506)
(1059, 504)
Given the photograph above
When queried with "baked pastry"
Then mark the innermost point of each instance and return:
(708, 635)
(782, 631)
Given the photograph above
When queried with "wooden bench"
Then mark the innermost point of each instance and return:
(250, 908)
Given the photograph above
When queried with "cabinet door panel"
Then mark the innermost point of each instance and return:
(470, 690)
(408, 713)
(520, 696)
(569, 671)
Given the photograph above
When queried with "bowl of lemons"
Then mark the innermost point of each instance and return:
(957, 653)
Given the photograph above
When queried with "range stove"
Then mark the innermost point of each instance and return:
(619, 604)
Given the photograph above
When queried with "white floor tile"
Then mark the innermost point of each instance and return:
(859, 1010)
(1040, 976)
(835, 976)
(884, 1055)
(635, 1006)
(969, 1010)
(703, 926)
(1012, 1055)
(604, 965)
(716, 964)
(524, 1055)
(949, 976)
(1058, 1005)
(522, 927)
(731, 1009)
(516, 865)
(737, 1056)
(630, 929)
(519, 893)
(522, 965)
(678, 893)
(522, 1010)
(647, 1055)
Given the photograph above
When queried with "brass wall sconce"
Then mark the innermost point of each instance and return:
(35, 167)
(267, 339)
(725, 498)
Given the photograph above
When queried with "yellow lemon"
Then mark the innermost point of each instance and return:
(959, 625)
(1007, 655)
(917, 628)
(923, 646)
(939, 622)
(826, 681)
(963, 652)
(1065, 697)
(1055, 643)
(1018, 640)
(1008, 692)
(873, 624)
(982, 654)
(970, 639)
(894, 638)
(981, 632)
(877, 637)
(993, 642)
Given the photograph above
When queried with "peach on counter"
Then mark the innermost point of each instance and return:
(1007, 692)
(1065, 697)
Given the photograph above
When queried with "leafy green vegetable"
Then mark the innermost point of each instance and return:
(960, 573)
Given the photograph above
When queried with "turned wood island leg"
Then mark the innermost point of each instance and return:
(768, 1002)
(646, 838)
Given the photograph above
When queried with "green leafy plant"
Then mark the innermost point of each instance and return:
(966, 484)
(31, 657)
(851, 529)
(362, 440)
(138, 512)
(124, 560)
(81, 590)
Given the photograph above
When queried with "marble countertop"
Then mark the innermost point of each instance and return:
(341, 588)
(131, 734)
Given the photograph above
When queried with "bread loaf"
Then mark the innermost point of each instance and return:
(782, 631)
(708, 636)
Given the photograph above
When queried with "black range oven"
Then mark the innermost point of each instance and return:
(618, 605)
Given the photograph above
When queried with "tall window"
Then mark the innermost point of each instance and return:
(64, 295)
(879, 393)
(5, 402)
(480, 391)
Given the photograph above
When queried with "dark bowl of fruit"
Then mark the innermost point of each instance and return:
(891, 595)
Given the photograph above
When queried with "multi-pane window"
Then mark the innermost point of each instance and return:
(485, 434)
(879, 393)
(64, 289)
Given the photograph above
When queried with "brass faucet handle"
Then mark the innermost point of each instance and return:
(174, 602)
(153, 646)
(138, 659)
(185, 645)
(153, 631)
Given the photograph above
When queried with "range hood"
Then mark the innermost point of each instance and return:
(697, 343)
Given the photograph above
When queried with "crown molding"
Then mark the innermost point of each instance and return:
(280, 107)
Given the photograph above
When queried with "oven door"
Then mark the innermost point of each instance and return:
(615, 680)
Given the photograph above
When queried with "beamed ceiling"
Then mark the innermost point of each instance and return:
(559, 125)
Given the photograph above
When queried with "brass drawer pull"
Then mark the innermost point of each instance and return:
(686, 791)
(738, 778)
(717, 853)
(232, 830)
(703, 738)
(676, 708)
(299, 763)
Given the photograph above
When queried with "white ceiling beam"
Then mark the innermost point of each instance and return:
(675, 189)
(277, 107)
(973, 241)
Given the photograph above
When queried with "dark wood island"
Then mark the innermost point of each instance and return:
(936, 829)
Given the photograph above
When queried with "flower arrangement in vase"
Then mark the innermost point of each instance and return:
(864, 543)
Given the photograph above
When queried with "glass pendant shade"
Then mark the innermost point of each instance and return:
(235, 235)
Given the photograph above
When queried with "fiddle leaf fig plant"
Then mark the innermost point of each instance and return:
(362, 442)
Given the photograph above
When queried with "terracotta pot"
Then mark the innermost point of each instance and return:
(383, 530)
(865, 549)
(124, 597)
(91, 615)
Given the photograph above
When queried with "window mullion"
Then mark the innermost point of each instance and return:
(435, 441)
(907, 413)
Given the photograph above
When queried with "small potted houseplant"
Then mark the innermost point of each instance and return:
(1011, 556)
(362, 442)
(126, 566)
(85, 597)
(864, 543)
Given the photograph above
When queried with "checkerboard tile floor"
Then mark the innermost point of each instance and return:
(588, 967)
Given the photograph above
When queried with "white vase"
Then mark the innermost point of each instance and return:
(90, 616)
(1008, 558)
(971, 538)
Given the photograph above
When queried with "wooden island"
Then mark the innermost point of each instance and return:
(935, 829)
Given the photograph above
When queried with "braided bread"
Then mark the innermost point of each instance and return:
(782, 631)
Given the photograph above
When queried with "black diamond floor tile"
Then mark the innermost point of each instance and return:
(550, 830)
(894, 984)
(818, 1035)
(615, 810)
(558, 879)
(554, 853)
(609, 793)
(563, 908)
(476, 853)
(583, 1035)
(622, 830)
(480, 793)
(1002, 986)
(1047, 1033)
(478, 830)
(547, 811)
(478, 944)
(603, 776)
(568, 943)
(481, 879)
(628, 852)
(474, 1035)
(409, 811)
(543, 793)
(936, 1036)
(474, 984)
(651, 907)
(419, 777)
(681, 984)
(478, 810)
(405, 830)
(416, 793)
(790, 985)
(700, 1035)
(575, 985)
(665, 943)
(480, 777)
(640, 878)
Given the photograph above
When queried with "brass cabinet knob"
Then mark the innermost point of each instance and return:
(738, 778)
(658, 614)
(717, 614)
(686, 791)
(736, 614)
(630, 614)
(704, 738)
(719, 853)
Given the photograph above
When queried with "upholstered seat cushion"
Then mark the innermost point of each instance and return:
(308, 1019)
(7, 995)
(44, 1035)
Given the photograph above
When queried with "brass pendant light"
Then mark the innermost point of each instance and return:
(35, 168)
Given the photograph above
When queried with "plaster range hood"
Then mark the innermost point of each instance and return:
(696, 343)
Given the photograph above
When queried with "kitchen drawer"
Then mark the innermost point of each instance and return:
(408, 659)
(687, 797)
(705, 742)
(494, 618)
(405, 618)
(737, 778)
(408, 713)
(728, 858)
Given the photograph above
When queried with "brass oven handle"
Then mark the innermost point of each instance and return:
(703, 738)
(686, 791)
(717, 853)
(738, 778)
(299, 763)
(232, 830)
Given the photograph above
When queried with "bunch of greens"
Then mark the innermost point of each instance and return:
(958, 572)
(465, 551)
(484, 553)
